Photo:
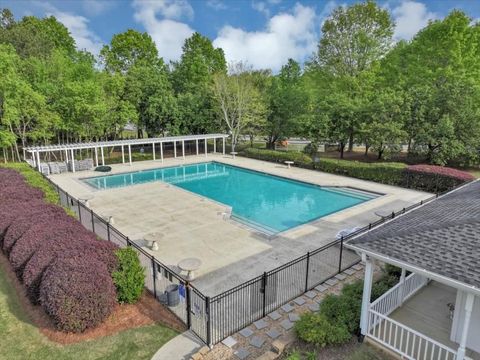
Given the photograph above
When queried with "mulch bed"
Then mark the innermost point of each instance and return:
(146, 311)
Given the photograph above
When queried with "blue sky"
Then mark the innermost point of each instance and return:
(264, 33)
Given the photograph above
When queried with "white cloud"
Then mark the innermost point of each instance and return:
(97, 7)
(261, 7)
(216, 4)
(410, 17)
(286, 35)
(168, 34)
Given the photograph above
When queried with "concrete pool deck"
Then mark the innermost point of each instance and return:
(193, 226)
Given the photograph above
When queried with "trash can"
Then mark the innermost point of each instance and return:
(173, 297)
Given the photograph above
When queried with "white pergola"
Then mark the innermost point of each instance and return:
(69, 149)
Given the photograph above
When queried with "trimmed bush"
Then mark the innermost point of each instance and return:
(434, 178)
(53, 247)
(316, 329)
(77, 292)
(103, 251)
(15, 209)
(130, 276)
(36, 236)
(21, 224)
(300, 159)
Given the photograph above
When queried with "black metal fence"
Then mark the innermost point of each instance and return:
(214, 318)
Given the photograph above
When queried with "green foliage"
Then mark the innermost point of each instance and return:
(130, 277)
(317, 329)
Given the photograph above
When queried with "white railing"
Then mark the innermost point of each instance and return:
(394, 297)
(405, 341)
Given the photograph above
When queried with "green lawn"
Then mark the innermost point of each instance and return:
(20, 339)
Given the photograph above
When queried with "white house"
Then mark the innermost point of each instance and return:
(434, 311)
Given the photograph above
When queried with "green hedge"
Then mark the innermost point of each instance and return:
(130, 276)
(392, 173)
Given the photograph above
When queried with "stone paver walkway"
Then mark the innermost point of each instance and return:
(275, 330)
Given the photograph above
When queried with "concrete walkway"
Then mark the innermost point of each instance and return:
(181, 347)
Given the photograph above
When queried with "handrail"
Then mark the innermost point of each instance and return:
(382, 332)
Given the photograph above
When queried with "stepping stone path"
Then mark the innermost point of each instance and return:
(254, 341)
(293, 317)
(242, 353)
(260, 324)
(331, 282)
(229, 342)
(246, 332)
(286, 324)
(257, 341)
(299, 301)
(287, 308)
(321, 288)
(275, 315)
(273, 333)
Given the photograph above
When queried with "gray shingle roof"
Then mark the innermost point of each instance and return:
(442, 237)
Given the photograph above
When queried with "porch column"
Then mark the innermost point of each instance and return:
(161, 151)
(196, 145)
(130, 154)
(466, 325)
(401, 288)
(205, 147)
(183, 149)
(153, 150)
(123, 155)
(214, 145)
(175, 149)
(73, 160)
(96, 157)
(103, 156)
(367, 289)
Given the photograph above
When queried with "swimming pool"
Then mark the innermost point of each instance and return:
(270, 203)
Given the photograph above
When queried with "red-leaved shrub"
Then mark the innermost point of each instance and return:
(21, 224)
(435, 178)
(77, 292)
(53, 247)
(35, 236)
(14, 209)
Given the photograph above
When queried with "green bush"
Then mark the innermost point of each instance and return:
(300, 159)
(318, 330)
(130, 277)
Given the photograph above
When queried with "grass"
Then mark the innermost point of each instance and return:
(362, 351)
(367, 352)
(22, 340)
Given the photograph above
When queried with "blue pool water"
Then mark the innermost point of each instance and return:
(269, 202)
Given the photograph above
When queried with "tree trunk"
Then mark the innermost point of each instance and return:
(342, 148)
(350, 141)
(366, 149)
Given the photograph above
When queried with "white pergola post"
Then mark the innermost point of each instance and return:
(153, 150)
(96, 156)
(214, 145)
(130, 154)
(205, 147)
(174, 149)
(196, 145)
(38, 160)
(103, 157)
(32, 154)
(401, 287)
(73, 160)
(183, 149)
(466, 325)
(123, 155)
(66, 156)
(161, 151)
(24, 155)
(223, 149)
(367, 289)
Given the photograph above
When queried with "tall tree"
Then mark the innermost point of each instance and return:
(192, 79)
(353, 38)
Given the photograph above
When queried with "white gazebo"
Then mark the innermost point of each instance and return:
(98, 147)
(434, 310)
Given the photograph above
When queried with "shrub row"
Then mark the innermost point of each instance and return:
(63, 266)
(420, 177)
(339, 316)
